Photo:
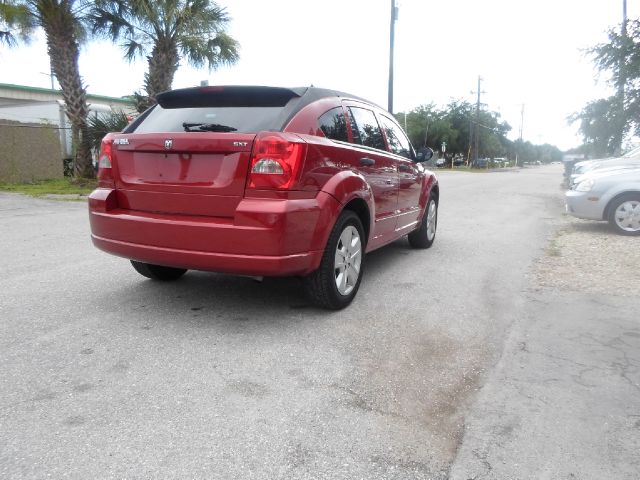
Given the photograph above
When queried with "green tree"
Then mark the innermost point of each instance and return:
(459, 115)
(62, 22)
(454, 125)
(167, 31)
(547, 153)
(600, 127)
(604, 123)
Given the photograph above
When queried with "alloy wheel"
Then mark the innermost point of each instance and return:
(432, 220)
(348, 259)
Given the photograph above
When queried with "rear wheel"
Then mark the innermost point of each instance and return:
(424, 236)
(158, 272)
(624, 214)
(335, 283)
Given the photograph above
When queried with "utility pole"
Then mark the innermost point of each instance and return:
(426, 133)
(623, 73)
(392, 31)
(470, 139)
(50, 75)
(477, 129)
(521, 126)
(521, 121)
(622, 78)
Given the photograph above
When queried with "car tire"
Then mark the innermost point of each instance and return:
(624, 214)
(158, 272)
(336, 281)
(424, 236)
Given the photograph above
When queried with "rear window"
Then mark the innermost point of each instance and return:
(242, 119)
(242, 109)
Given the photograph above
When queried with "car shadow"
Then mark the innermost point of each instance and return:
(378, 261)
(600, 228)
(230, 298)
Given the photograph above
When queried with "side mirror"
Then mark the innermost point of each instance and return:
(424, 154)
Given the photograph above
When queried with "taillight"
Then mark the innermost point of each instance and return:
(105, 163)
(276, 160)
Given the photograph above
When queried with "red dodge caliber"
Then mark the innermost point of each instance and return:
(262, 181)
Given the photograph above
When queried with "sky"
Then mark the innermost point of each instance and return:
(528, 52)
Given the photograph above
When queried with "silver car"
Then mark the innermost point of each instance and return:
(631, 158)
(612, 195)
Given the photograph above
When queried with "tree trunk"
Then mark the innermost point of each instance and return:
(64, 51)
(163, 64)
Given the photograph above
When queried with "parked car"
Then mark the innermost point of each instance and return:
(458, 161)
(612, 195)
(262, 181)
(499, 162)
(628, 159)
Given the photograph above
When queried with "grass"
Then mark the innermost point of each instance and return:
(462, 168)
(554, 249)
(59, 186)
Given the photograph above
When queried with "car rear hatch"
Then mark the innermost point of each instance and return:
(191, 153)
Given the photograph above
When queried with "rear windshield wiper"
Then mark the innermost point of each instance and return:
(207, 127)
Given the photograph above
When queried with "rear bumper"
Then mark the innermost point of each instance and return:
(266, 237)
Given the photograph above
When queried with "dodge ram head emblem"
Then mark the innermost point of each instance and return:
(168, 144)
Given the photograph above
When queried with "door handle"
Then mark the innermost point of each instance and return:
(404, 168)
(367, 162)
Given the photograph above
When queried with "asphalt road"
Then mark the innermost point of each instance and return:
(106, 374)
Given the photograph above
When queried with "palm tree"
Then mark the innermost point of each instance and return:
(167, 31)
(100, 125)
(62, 23)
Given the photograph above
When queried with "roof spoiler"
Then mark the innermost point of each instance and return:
(227, 96)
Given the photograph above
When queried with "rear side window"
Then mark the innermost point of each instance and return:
(237, 119)
(334, 125)
(365, 128)
(398, 141)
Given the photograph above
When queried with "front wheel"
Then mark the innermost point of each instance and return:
(158, 272)
(336, 281)
(424, 236)
(624, 214)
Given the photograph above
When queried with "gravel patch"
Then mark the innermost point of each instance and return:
(589, 257)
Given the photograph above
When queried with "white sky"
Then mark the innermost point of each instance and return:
(527, 51)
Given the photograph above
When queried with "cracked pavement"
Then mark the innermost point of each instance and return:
(451, 362)
(563, 402)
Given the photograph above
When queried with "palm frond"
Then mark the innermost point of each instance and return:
(228, 49)
(132, 49)
(8, 39)
(17, 21)
(98, 126)
(196, 27)
(109, 21)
